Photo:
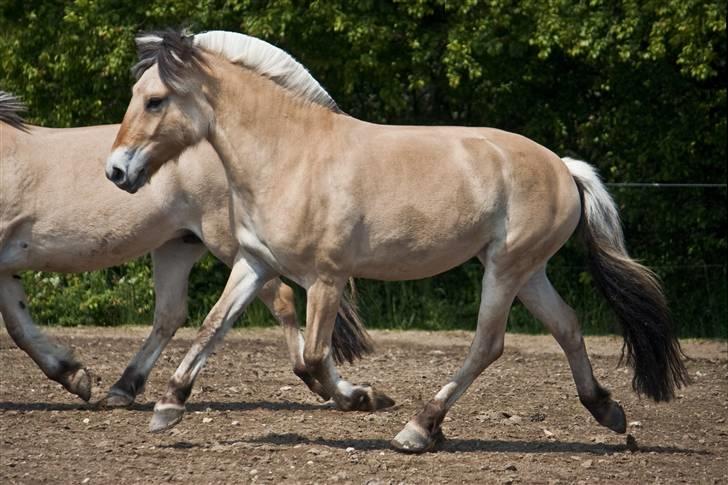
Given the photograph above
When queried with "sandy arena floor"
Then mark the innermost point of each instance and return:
(250, 420)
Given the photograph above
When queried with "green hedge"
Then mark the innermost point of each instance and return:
(636, 87)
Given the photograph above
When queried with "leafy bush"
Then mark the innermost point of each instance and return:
(637, 88)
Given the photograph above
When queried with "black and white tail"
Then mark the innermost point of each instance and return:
(350, 339)
(632, 290)
(10, 109)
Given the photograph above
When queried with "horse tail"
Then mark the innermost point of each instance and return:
(350, 339)
(10, 108)
(632, 290)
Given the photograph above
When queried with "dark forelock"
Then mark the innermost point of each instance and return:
(174, 53)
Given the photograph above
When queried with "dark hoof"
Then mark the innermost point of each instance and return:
(78, 382)
(414, 440)
(363, 398)
(116, 399)
(166, 417)
(614, 418)
(609, 413)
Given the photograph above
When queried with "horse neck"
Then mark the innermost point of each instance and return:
(260, 127)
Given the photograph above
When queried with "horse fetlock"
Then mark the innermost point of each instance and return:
(76, 380)
(131, 383)
(118, 398)
(311, 383)
(362, 398)
(166, 416)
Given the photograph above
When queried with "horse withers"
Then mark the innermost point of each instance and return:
(320, 196)
(59, 213)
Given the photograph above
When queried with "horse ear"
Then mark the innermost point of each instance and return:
(187, 34)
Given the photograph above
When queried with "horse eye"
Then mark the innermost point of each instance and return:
(153, 104)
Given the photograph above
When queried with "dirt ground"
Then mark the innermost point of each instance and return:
(250, 420)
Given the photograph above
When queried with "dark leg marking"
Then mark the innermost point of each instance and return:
(605, 410)
(423, 432)
(17, 277)
(181, 393)
(130, 384)
(430, 418)
(22, 305)
(312, 383)
(170, 409)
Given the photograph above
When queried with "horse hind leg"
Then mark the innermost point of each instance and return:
(423, 431)
(278, 297)
(542, 300)
(172, 263)
(56, 361)
(350, 338)
(323, 300)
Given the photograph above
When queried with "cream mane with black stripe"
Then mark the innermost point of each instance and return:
(173, 51)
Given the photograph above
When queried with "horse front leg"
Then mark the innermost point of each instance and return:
(245, 281)
(322, 306)
(56, 361)
(172, 263)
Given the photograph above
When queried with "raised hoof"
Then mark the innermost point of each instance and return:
(364, 398)
(414, 440)
(614, 418)
(166, 418)
(117, 399)
(78, 382)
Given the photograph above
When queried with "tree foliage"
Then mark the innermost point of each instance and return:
(636, 87)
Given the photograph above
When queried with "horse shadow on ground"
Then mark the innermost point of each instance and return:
(149, 406)
(457, 445)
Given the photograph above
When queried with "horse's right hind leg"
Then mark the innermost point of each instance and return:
(278, 297)
(172, 264)
(542, 300)
(56, 361)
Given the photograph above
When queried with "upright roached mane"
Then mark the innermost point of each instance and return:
(176, 52)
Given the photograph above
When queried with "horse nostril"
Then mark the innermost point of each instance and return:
(117, 175)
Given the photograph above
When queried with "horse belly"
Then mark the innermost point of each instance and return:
(422, 254)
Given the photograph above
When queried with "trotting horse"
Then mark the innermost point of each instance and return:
(59, 213)
(319, 196)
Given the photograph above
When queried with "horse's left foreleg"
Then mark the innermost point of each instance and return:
(246, 279)
(324, 297)
(172, 263)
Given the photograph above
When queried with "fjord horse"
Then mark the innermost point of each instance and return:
(320, 196)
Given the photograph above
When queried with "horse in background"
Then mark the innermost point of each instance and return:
(57, 214)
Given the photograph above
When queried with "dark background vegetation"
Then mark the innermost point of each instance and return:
(637, 88)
